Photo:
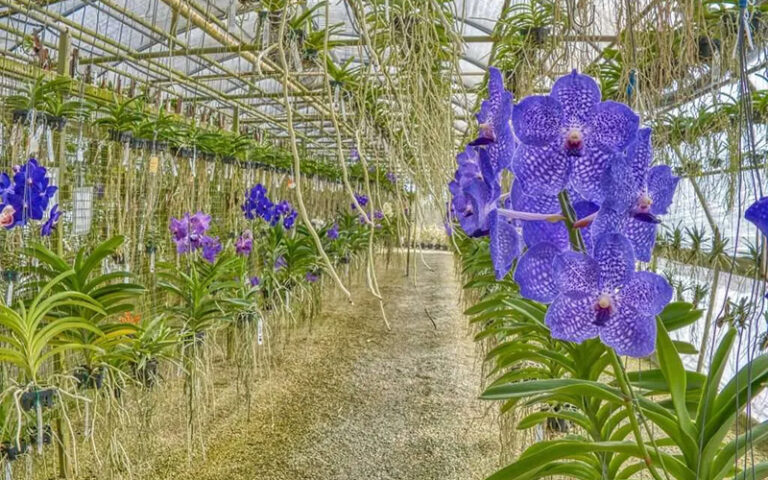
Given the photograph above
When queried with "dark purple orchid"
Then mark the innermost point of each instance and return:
(602, 295)
(635, 195)
(257, 204)
(362, 200)
(53, 220)
(244, 244)
(290, 219)
(757, 214)
(28, 194)
(255, 281)
(475, 191)
(569, 135)
(333, 232)
(494, 132)
(378, 214)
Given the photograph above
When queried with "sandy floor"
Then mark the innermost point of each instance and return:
(349, 400)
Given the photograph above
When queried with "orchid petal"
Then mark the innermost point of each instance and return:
(534, 273)
(571, 317)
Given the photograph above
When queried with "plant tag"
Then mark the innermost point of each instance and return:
(9, 294)
(154, 163)
(260, 331)
(80, 154)
(174, 167)
(49, 145)
(126, 153)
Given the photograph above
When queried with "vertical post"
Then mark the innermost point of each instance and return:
(236, 120)
(62, 68)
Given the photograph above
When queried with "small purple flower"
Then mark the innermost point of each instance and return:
(494, 118)
(290, 219)
(333, 232)
(475, 191)
(53, 220)
(312, 277)
(211, 248)
(255, 281)
(362, 200)
(570, 135)
(354, 155)
(244, 244)
(603, 296)
(280, 263)
(378, 214)
(391, 177)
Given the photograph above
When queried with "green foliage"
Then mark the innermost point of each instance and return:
(33, 334)
(197, 293)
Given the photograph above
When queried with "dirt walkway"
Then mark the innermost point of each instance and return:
(353, 401)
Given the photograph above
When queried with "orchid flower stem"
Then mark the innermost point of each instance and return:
(541, 217)
(621, 378)
(577, 242)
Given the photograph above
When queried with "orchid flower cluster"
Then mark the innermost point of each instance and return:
(189, 234)
(258, 205)
(584, 206)
(27, 196)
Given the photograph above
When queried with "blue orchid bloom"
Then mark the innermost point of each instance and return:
(570, 136)
(602, 295)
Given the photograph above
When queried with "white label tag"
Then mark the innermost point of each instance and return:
(9, 294)
(260, 331)
(126, 153)
(49, 145)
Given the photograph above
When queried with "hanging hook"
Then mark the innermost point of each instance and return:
(584, 20)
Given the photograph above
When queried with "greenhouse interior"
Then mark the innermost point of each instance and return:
(383, 239)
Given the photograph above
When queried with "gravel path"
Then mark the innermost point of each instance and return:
(350, 400)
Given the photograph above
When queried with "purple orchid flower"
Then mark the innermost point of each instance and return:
(757, 214)
(603, 296)
(258, 204)
(27, 195)
(495, 133)
(244, 244)
(53, 220)
(362, 200)
(475, 191)
(635, 196)
(378, 214)
(569, 135)
(333, 232)
(255, 281)
(199, 223)
(312, 277)
(211, 248)
(290, 220)
(391, 177)
(180, 227)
